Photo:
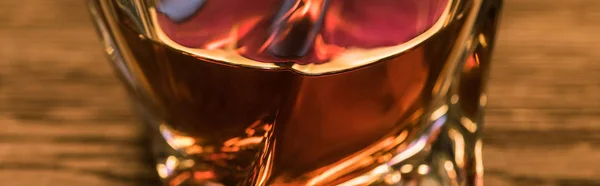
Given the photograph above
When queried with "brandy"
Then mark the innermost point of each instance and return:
(303, 92)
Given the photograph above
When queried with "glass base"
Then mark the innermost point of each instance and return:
(446, 154)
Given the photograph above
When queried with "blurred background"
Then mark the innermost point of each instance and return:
(65, 119)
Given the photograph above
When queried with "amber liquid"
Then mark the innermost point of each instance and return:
(307, 121)
(317, 119)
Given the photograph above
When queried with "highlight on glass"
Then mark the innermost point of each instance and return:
(306, 92)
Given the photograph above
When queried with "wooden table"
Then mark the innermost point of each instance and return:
(65, 119)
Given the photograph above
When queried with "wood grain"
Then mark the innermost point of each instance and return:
(66, 121)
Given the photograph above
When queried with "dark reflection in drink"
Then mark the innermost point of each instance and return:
(302, 31)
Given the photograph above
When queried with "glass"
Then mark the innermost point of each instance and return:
(306, 92)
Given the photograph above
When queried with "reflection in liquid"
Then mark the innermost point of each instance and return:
(468, 124)
(449, 166)
(459, 147)
(303, 31)
(478, 163)
(423, 169)
(407, 168)
(250, 35)
(176, 141)
(393, 178)
(180, 10)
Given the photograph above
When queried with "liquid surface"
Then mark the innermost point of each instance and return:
(302, 31)
(312, 37)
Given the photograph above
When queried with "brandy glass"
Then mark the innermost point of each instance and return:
(306, 92)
